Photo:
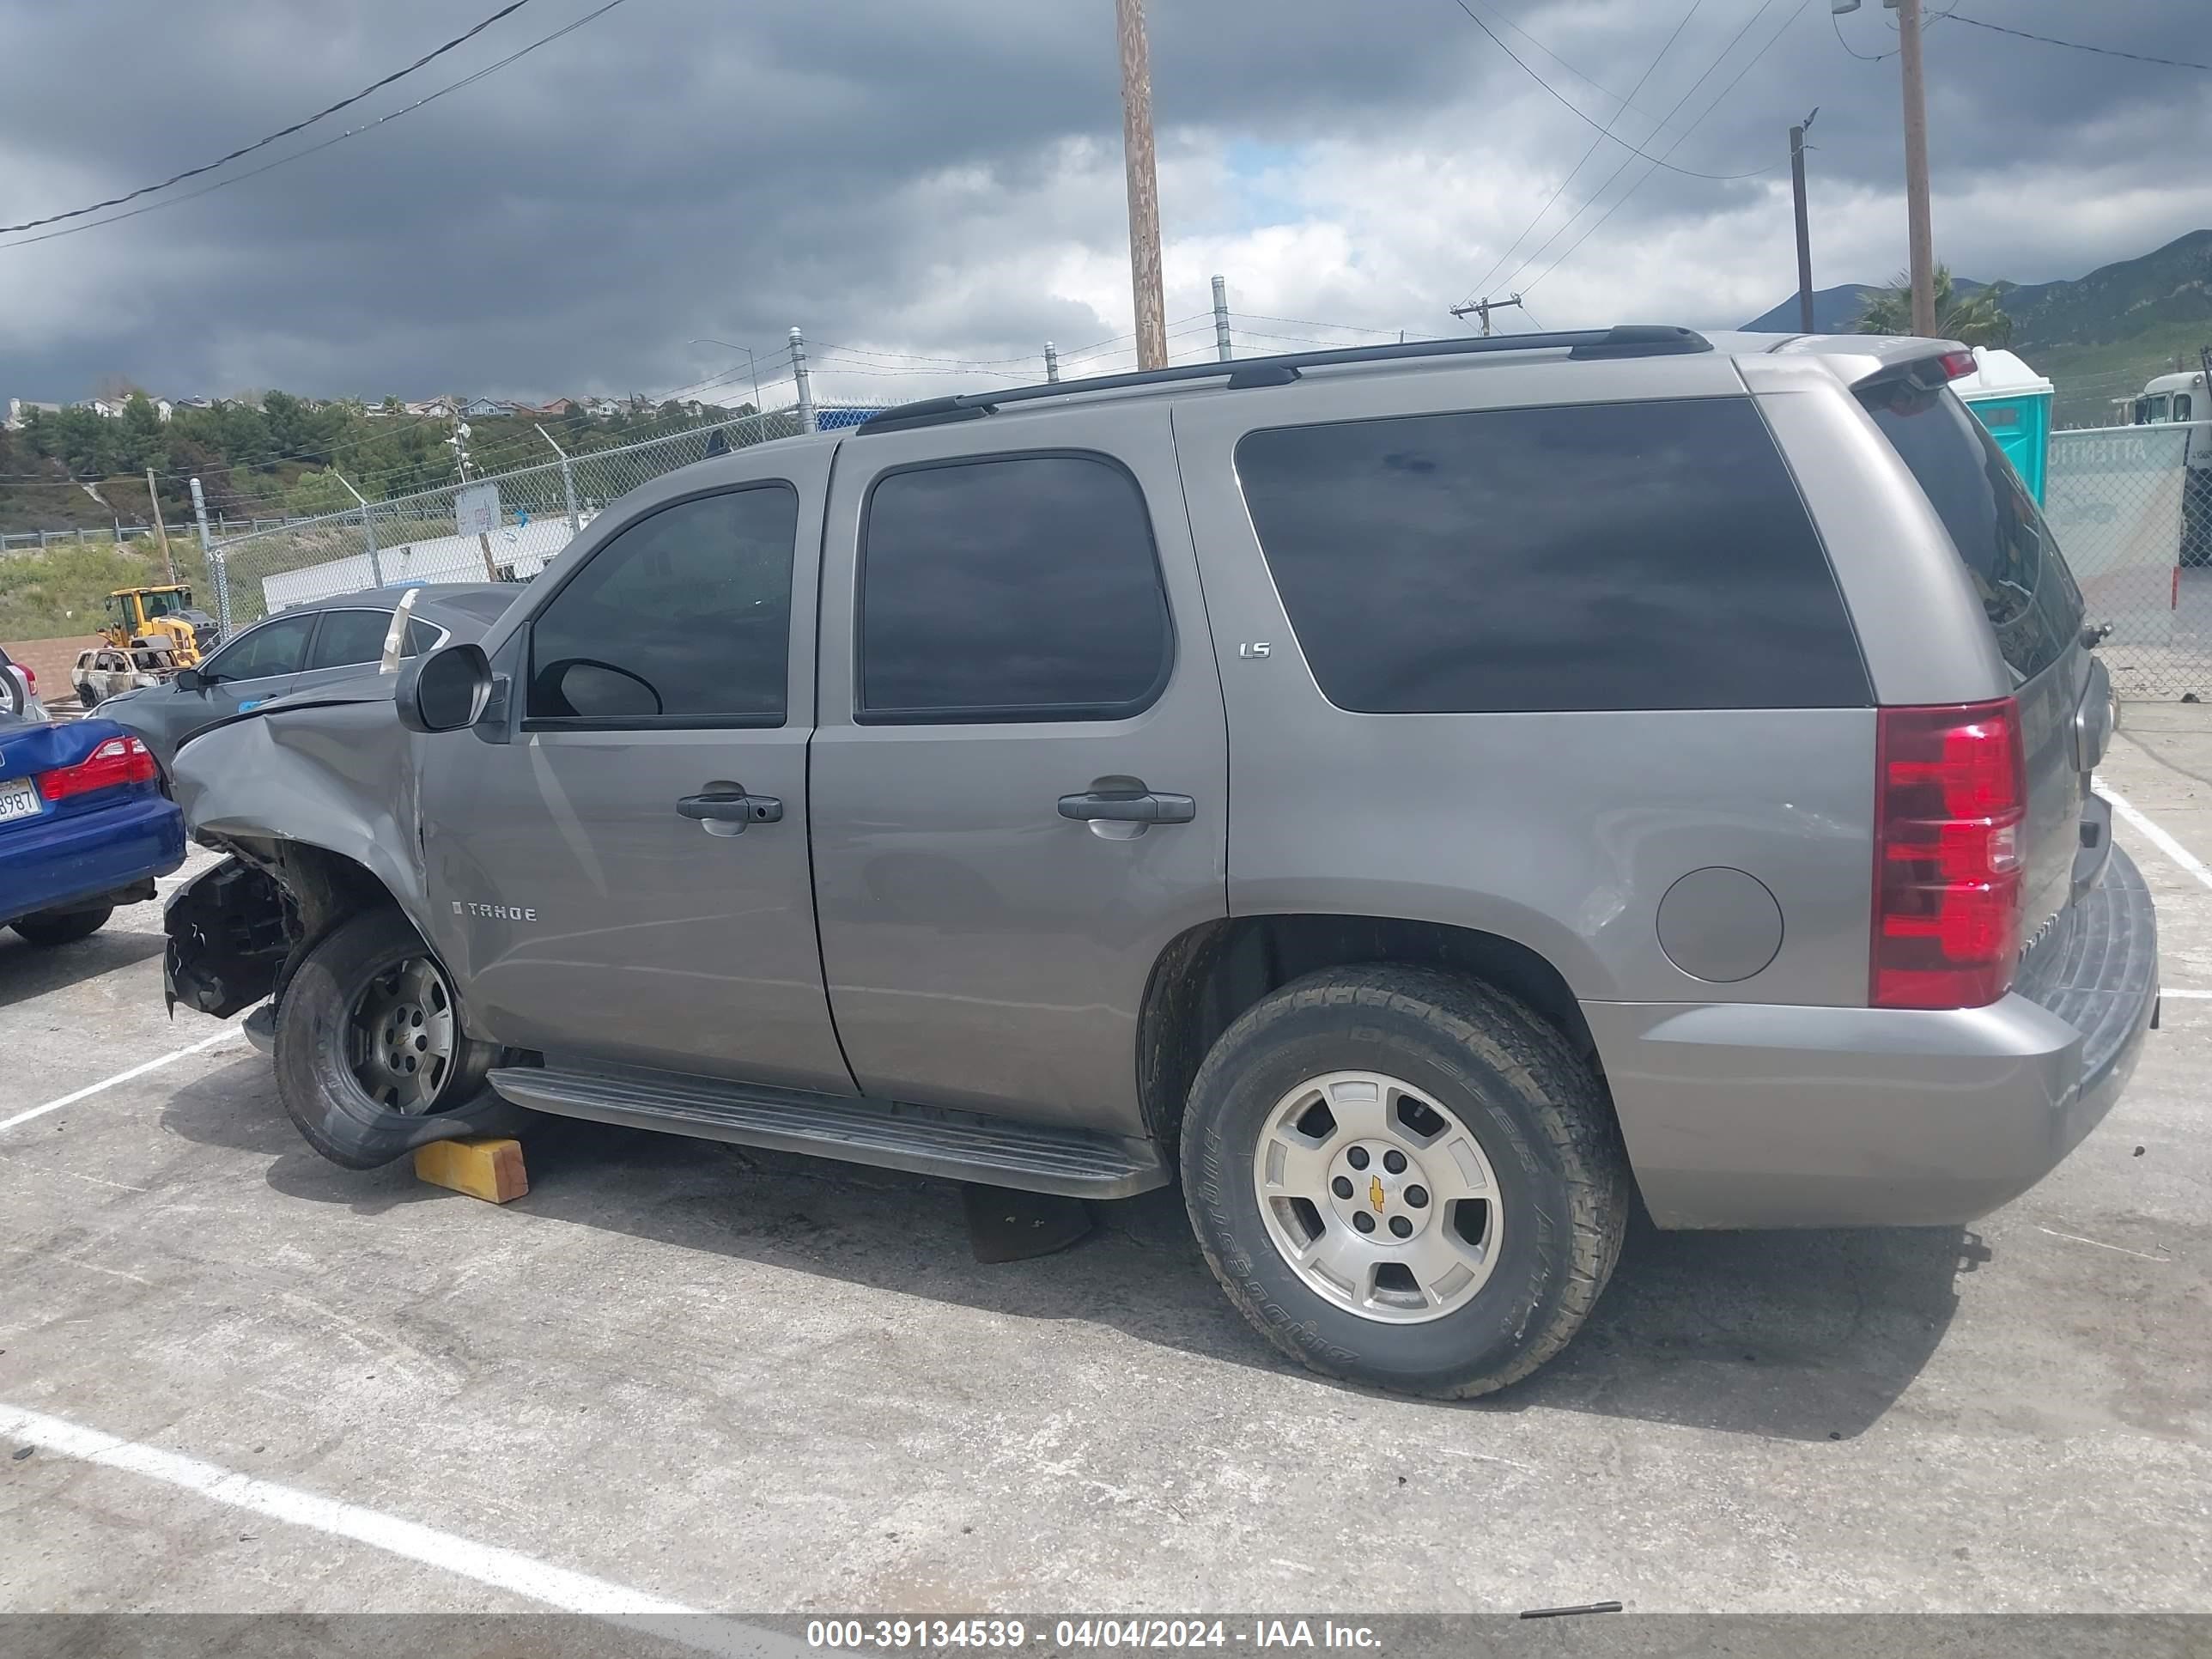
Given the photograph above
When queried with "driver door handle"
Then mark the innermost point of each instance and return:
(1101, 807)
(736, 810)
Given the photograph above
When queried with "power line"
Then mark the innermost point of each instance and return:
(2076, 46)
(1690, 92)
(1595, 85)
(492, 68)
(1637, 183)
(1864, 57)
(1566, 104)
(282, 133)
(1308, 322)
(1483, 287)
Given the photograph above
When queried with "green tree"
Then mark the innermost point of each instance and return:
(1976, 319)
(141, 431)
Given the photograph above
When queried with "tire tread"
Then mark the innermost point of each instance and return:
(1565, 1099)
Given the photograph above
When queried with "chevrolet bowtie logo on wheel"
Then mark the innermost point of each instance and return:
(1375, 1193)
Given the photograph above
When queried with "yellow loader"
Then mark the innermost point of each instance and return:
(162, 619)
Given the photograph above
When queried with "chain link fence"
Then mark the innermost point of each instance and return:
(420, 538)
(2131, 506)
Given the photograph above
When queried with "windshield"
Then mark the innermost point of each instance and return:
(167, 604)
(2025, 588)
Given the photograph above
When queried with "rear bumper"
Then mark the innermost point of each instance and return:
(1740, 1114)
(67, 863)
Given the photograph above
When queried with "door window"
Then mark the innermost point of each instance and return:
(274, 647)
(1020, 588)
(684, 618)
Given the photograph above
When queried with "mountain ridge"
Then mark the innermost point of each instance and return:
(2098, 337)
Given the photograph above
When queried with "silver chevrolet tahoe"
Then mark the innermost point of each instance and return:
(1428, 800)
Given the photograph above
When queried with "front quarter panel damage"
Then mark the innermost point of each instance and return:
(305, 800)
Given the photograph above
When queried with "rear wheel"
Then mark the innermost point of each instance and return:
(1405, 1178)
(369, 1043)
(64, 927)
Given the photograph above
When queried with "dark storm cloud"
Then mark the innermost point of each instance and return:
(890, 173)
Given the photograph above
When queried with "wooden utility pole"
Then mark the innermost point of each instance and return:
(160, 530)
(1804, 237)
(1483, 307)
(1921, 237)
(1144, 185)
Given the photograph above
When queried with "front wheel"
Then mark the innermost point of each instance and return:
(1405, 1178)
(369, 1043)
(64, 927)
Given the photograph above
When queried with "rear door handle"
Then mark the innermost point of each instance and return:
(736, 810)
(1099, 807)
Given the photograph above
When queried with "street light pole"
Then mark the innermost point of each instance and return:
(751, 361)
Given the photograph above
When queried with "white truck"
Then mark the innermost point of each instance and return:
(2185, 399)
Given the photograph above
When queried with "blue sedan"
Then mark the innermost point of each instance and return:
(84, 826)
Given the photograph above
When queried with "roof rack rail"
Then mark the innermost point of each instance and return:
(1624, 340)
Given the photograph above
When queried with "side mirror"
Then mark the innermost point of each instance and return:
(189, 679)
(445, 690)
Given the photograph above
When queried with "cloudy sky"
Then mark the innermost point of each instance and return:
(932, 188)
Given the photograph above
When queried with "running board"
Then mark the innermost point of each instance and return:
(956, 1145)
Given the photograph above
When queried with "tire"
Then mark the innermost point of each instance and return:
(88, 699)
(316, 1074)
(64, 927)
(1537, 1114)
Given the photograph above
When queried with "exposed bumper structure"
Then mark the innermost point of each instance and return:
(229, 932)
(1761, 1116)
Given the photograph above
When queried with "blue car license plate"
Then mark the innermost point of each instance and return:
(19, 799)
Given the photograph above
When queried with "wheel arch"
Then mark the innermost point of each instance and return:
(239, 931)
(1209, 974)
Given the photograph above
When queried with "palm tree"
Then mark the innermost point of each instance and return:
(1975, 319)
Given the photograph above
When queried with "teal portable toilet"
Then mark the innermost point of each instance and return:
(2014, 402)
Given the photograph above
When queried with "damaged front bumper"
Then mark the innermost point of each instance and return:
(230, 930)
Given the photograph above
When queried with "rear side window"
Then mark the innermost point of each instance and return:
(1021, 588)
(2025, 588)
(1596, 557)
(349, 636)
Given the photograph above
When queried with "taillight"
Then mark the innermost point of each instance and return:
(1950, 796)
(30, 678)
(119, 761)
(1957, 365)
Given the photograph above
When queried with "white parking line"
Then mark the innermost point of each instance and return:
(2157, 837)
(482, 1563)
(140, 1070)
(486, 1563)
